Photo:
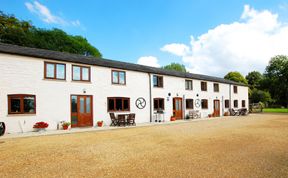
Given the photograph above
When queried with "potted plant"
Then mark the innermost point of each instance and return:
(99, 123)
(40, 126)
(226, 113)
(209, 115)
(172, 118)
(65, 125)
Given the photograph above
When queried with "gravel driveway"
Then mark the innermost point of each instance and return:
(252, 146)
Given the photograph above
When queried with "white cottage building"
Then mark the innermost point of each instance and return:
(43, 85)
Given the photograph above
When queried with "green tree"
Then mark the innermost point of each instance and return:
(23, 33)
(257, 96)
(254, 79)
(236, 77)
(175, 66)
(276, 79)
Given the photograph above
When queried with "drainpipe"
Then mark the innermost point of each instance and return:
(230, 96)
(150, 96)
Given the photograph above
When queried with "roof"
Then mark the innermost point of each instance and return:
(75, 58)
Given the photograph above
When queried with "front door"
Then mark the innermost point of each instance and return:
(216, 108)
(81, 111)
(177, 108)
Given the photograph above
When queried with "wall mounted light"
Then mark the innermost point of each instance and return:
(84, 90)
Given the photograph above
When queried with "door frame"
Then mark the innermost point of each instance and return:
(214, 101)
(173, 100)
(91, 107)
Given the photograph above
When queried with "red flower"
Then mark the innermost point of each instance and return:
(40, 125)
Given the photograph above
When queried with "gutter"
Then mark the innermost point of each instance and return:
(150, 96)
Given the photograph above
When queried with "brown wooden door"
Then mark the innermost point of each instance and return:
(81, 111)
(216, 108)
(177, 108)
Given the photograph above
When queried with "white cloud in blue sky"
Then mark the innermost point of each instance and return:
(148, 61)
(244, 45)
(46, 16)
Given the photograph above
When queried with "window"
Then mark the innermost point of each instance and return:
(118, 77)
(204, 104)
(216, 87)
(188, 85)
(158, 103)
(235, 89)
(80, 73)
(235, 103)
(54, 71)
(227, 104)
(21, 104)
(243, 103)
(189, 103)
(203, 86)
(118, 104)
(158, 81)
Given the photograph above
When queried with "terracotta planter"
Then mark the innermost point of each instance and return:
(99, 124)
(65, 127)
(209, 115)
(173, 119)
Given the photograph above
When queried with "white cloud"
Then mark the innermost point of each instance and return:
(244, 45)
(148, 61)
(46, 16)
(176, 49)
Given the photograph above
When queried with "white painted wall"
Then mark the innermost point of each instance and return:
(25, 75)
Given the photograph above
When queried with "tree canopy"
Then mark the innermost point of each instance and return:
(236, 77)
(254, 79)
(175, 66)
(23, 33)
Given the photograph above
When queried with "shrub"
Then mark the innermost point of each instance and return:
(40, 125)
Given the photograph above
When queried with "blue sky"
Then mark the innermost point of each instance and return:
(159, 31)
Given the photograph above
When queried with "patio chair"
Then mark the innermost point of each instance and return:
(243, 112)
(121, 120)
(114, 121)
(233, 112)
(131, 119)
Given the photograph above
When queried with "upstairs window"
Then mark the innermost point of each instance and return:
(235, 89)
(158, 104)
(216, 87)
(243, 104)
(118, 104)
(235, 103)
(189, 103)
(158, 81)
(80, 73)
(188, 85)
(203, 86)
(21, 104)
(204, 104)
(227, 103)
(118, 77)
(54, 71)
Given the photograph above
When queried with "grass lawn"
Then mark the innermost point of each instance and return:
(275, 110)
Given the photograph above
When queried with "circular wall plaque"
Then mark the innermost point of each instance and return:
(140, 103)
(197, 103)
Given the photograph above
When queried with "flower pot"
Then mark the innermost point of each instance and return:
(173, 119)
(99, 124)
(65, 127)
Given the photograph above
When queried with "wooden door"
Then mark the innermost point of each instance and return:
(81, 111)
(177, 108)
(216, 108)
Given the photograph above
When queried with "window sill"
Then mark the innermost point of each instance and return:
(12, 115)
(81, 81)
(117, 84)
(55, 80)
(118, 111)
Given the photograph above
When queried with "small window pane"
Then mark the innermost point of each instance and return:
(115, 77)
(29, 106)
(88, 104)
(119, 104)
(111, 105)
(189, 103)
(82, 104)
(126, 104)
(15, 104)
(50, 70)
(156, 106)
(74, 103)
(122, 77)
(161, 104)
(60, 71)
(76, 73)
(85, 73)
(155, 81)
